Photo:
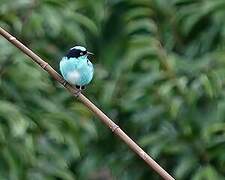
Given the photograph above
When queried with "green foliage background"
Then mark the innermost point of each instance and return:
(159, 73)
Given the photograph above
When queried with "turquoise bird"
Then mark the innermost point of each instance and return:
(76, 68)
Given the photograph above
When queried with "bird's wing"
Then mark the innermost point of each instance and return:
(68, 65)
(69, 69)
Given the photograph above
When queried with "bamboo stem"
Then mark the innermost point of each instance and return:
(105, 119)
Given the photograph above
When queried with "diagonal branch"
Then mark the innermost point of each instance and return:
(105, 119)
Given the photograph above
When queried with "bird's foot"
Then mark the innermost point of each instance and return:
(79, 89)
(77, 93)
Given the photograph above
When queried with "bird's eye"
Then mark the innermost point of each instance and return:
(81, 53)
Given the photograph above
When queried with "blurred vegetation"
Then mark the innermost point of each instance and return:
(160, 69)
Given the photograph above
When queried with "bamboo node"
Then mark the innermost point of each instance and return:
(44, 65)
(114, 127)
(11, 38)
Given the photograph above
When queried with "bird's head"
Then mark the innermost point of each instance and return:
(78, 51)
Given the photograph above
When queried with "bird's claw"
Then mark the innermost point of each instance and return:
(77, 93)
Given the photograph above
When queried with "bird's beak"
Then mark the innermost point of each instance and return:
(90, 53)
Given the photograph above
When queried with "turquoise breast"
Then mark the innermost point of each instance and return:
(77, 71)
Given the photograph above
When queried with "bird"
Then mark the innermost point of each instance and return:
(76, 68)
